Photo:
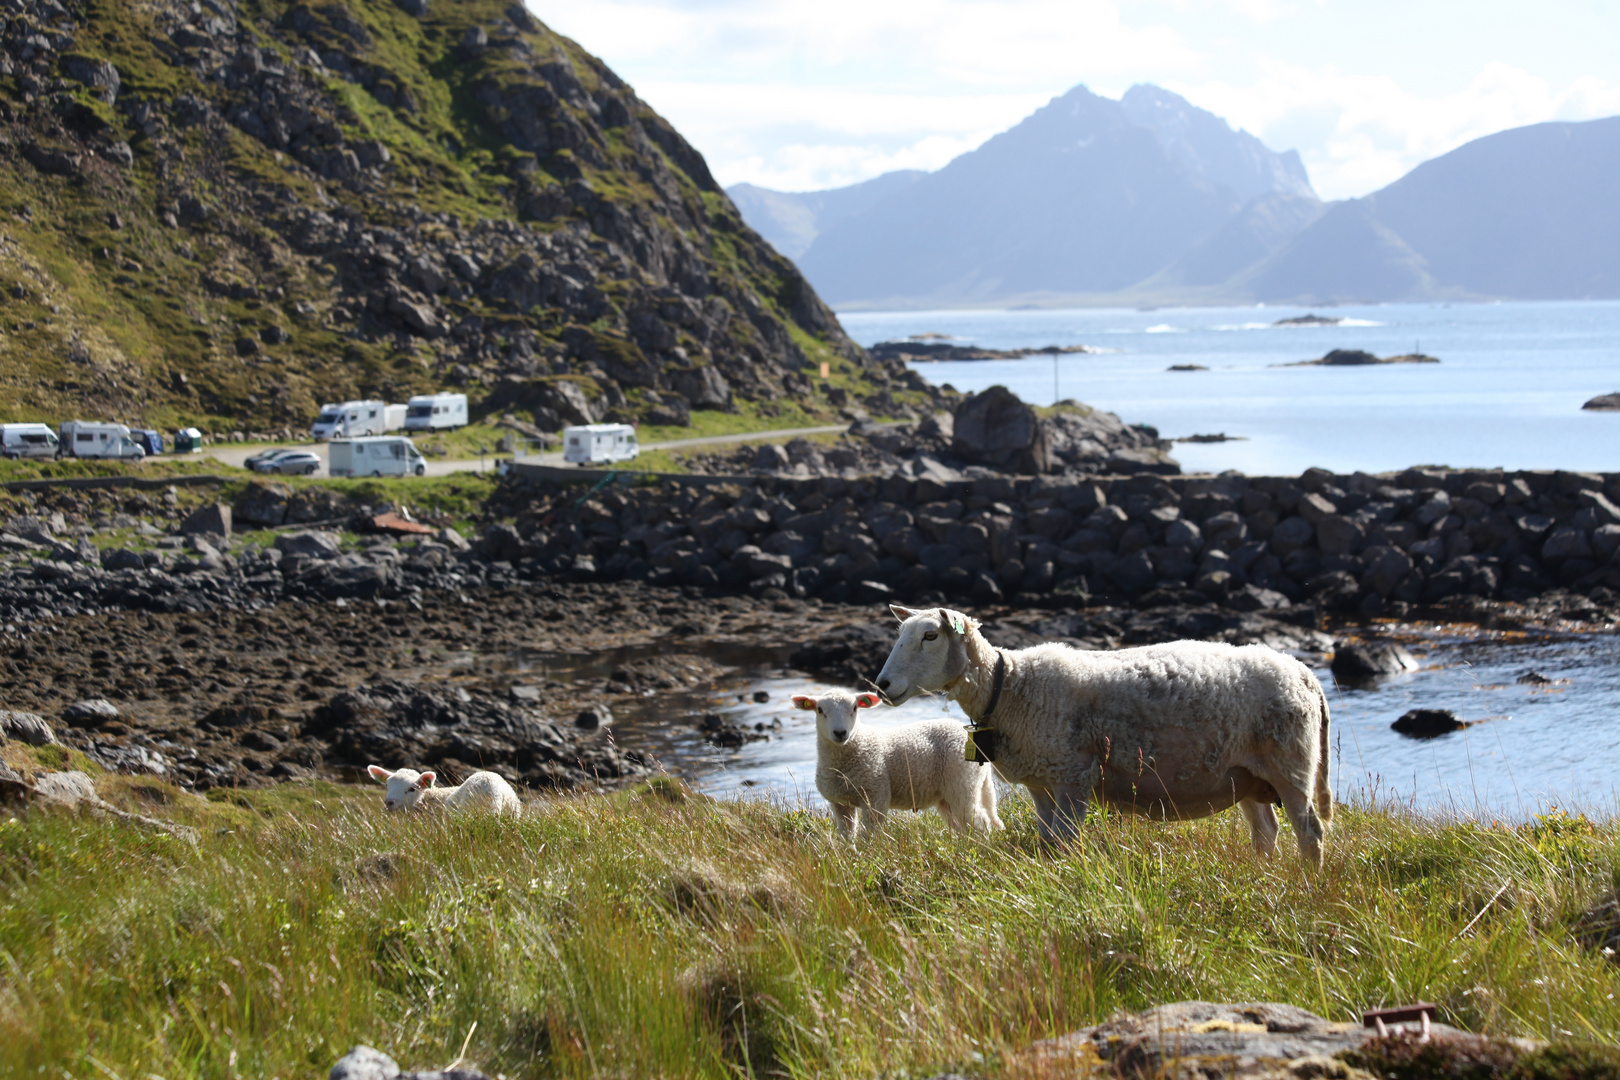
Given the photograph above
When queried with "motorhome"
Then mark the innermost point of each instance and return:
(28, 441)
(88, 440)
(349, 419)
(394, 417)
(389, 455)
(599, 444)
(436, 412)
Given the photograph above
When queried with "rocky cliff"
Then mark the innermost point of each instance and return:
(234, 210)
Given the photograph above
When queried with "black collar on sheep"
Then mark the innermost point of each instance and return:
(981, 744)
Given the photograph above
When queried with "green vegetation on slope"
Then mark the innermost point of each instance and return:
(655, 934)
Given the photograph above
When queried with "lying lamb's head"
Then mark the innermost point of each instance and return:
(931, 652)
(405, 787)
(835, 712)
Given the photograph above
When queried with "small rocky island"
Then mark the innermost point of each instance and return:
(1360, 357)
(932, 351)
(1604, 403)
(1312, 319)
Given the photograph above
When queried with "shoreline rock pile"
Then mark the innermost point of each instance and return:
(1357, 543)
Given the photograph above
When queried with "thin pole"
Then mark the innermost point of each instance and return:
(1054, 379)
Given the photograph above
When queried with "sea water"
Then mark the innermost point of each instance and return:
(1507, 392)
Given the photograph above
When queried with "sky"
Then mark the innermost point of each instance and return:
(800, 95)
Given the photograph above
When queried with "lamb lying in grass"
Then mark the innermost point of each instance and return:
(863, 770)
(482, 791)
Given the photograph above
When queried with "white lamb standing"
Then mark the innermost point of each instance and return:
(482, 791)
(866, 771)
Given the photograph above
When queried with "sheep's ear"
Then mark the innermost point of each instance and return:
(425, 781)
(800, 701)
(958, 621)
(378, 773)
(866, 701)
(901, 613)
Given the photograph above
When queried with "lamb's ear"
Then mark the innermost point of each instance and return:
(901, 613)
(378, 773)
(425, 781)
(800, 701)
(866, 701)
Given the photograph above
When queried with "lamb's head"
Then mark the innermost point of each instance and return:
(405, 786)
(835, 712)
(930, 654)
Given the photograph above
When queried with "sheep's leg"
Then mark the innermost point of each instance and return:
(1302, 816)
(952, 818)
(1262, 825)
(874, 818)
(987, 800)
(845, 820)
(1059, 810)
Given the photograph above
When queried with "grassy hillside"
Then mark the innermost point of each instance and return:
(228, 214)
(652, 933)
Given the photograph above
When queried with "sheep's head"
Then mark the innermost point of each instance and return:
(930, 654)
(405, 786)
(835, 712)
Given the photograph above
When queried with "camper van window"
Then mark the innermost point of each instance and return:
(371, 414)
(399, 451)
(84, 437)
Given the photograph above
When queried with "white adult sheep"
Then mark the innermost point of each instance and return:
(1180, 730)
(866, 771)
(482, 791)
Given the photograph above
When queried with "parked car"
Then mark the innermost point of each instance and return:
(264, 456)
(291, 463)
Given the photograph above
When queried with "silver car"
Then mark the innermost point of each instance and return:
(290, 463)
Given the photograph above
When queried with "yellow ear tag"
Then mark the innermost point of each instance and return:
(958, 624)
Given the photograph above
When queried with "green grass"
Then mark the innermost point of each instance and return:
(650, 935)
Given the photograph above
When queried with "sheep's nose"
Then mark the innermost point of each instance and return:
(840, 736)
(883, 684)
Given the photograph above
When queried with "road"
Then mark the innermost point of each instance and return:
(235, 455)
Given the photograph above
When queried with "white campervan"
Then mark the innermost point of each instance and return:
(390, 455)
(394, 417)
(599, 444)
(28, 440)
(435, 412)
(86, 440)
(349, 419)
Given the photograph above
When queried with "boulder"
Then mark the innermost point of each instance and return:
(263, 504)
(99, 75)
(213, 519)
(702, 387)
(1428, 723)
(25, 727)
(121, 559)
(771, 458)
(597, 716)
(997, 429)
(312, 544)
(90, 713)
(1361, 660)
(415, 8)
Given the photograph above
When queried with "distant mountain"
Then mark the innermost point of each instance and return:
(791, 220)
(1087, 195)
(1528, 213)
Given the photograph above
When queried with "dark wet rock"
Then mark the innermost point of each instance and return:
(1534, 678)
(1356, 661)
(1428, 723)
(394, 722)
(597, 716)
(121, 559)
(263, 503)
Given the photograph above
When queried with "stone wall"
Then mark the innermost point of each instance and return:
(1355, 542)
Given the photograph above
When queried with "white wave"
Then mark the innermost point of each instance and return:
(1359, 322)
(1164, 328)
(1244, 326)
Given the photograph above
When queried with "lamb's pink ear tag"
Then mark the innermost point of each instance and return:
(958, 624)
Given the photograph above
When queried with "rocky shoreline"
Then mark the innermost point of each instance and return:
(225, 661)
